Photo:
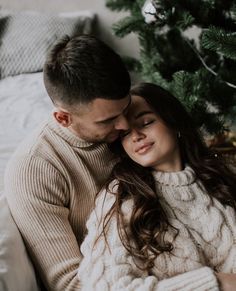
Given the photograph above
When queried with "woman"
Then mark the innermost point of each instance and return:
(166, 219)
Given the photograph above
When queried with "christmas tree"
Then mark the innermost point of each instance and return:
(189, 48)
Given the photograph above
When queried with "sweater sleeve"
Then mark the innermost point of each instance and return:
(108, 266)
(37, 195)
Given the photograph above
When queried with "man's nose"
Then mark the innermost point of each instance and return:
(122, 123)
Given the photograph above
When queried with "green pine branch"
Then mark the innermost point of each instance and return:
(120, 5)
(181, 87)
(186, 20)
(192, 90)
(199, 71)
(127, 25)
(221, 41)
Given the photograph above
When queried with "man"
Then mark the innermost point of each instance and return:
(52, 179)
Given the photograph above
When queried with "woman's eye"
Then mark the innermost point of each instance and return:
(146, 123)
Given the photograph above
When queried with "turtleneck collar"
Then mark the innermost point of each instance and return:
(67, 135)
(178, 179)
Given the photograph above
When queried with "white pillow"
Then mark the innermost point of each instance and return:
(16, 270)
(26, 36)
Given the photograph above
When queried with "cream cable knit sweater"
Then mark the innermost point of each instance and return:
(206, 242)
(50, 185)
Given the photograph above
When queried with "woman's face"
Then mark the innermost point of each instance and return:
(149, 142)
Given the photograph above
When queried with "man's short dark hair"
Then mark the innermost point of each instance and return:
(80, 69)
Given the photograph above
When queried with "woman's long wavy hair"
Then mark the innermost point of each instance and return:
(148, 222)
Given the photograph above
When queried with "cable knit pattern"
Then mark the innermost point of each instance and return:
(209, 223)
(206, 241)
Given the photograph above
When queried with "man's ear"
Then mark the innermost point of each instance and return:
(62, 117)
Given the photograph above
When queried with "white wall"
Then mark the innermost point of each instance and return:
(125, 46)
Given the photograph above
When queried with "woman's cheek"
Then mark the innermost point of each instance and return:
(127, 147)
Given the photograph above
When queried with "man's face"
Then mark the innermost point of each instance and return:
(101, 120)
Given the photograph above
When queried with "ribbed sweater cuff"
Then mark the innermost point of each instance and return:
(198, 280)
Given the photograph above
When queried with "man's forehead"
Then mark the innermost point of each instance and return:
(106, 109)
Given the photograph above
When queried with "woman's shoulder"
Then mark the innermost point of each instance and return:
(106, 199)
(107, 195)
(103, 203)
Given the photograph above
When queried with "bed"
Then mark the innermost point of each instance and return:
(25, 37)
(24, 104)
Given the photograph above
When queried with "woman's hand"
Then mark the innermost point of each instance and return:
(227, 282)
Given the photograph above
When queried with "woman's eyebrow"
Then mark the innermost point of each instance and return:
(141, 113)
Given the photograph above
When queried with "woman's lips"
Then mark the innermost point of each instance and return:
(143, 148)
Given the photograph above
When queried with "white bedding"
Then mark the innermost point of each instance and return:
(24, 105)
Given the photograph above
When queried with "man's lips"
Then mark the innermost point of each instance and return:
(143, 148)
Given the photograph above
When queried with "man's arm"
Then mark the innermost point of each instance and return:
(38, 197)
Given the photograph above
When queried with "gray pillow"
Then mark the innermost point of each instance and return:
(25, 37)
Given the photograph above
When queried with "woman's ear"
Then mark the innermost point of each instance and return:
(62, 117)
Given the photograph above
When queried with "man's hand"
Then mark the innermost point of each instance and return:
(227, 281)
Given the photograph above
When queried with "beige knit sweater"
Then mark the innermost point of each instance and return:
(206, 242)
(50, 185)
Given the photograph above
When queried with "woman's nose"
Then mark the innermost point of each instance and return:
(137, 135)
